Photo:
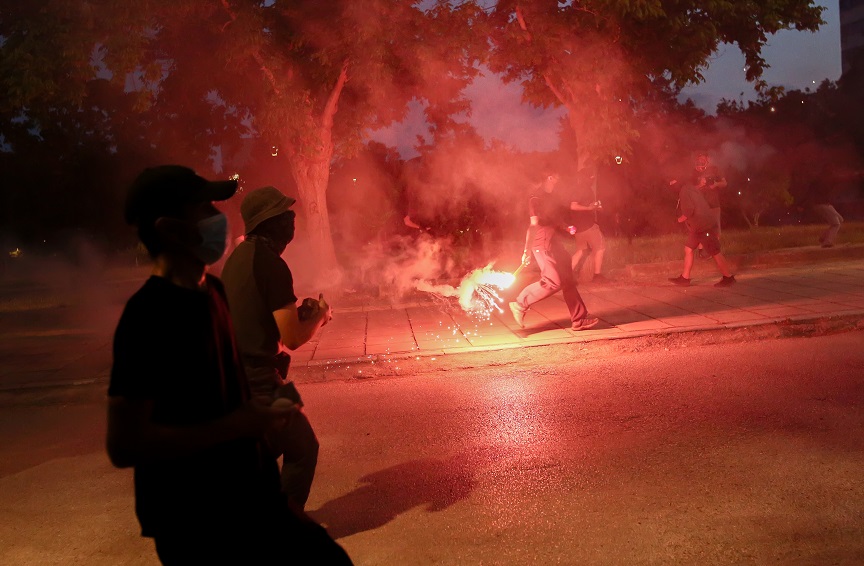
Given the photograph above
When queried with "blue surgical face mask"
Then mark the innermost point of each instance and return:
(214, 234)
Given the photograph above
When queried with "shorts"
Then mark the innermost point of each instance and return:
(591, 238)
(708, 238)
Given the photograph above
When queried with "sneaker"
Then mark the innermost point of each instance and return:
(600, 279)
(518, 314)
(680, 281)
(585, 324)
(726, 281)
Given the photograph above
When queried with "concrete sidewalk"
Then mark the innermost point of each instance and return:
(71, 345)
(630, 308)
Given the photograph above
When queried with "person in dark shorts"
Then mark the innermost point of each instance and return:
(584, 228)
(714, 182)
(179, 406)
(701, 225)
(548, 220)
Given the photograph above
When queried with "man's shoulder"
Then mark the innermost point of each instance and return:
(152, 293)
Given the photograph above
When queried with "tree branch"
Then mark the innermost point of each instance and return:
(558, 94)
(521, 19)
(257, 54)
(333, 100)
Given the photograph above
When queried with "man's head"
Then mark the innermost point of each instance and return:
(172, 208)
(267, 212)
(702, 162)
(550, 179)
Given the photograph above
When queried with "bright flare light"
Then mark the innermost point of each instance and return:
(477, 292)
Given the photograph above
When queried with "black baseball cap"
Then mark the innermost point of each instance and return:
(166, 189)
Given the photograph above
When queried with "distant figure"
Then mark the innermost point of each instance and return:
(817, 194)
(548, 215)
(710, 180)
(713, 181)
(268, 324)
(584, 227)
(701, 225)
(832, 218)
(179, 407)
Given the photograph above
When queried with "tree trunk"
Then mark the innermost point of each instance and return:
(312, 175)
(577, 125)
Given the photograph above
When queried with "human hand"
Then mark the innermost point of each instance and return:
(526, 257)
(572, 230)
(255, 418)
(287, 393)
(325, 309)
(308, 309)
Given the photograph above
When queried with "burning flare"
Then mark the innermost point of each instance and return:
(477, 292)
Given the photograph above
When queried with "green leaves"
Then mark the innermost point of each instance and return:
(593, 56)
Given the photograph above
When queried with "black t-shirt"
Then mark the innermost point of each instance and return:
(175, 347)
(711, 174)
(552, 210)
(259, 282)
(693, 205)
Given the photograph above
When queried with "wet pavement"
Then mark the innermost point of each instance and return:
(70, 344)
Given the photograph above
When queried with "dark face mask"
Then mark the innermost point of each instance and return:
(284, 232)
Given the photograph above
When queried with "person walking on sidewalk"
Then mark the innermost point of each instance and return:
(260, 290)
(179, 406)
(711, 180)
(548, 211)
(701, 225)
(831, 217)
(583, 226)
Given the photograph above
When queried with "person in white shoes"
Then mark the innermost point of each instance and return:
(548, 215)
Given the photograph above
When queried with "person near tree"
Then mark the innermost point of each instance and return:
(269, 324)
(701, 224)
(544, 242)
(584, 228)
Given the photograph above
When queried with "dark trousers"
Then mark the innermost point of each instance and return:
(288, 541)
(555, 274)
(298, 446)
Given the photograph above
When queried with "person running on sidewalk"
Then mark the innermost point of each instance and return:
(260, 289)
(179, 406)
(701, 230)
(548, 215)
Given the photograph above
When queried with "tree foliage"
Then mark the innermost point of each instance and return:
(306, 77)
(601, 60)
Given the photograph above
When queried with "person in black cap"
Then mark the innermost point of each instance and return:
(260, 290)
(179, 408)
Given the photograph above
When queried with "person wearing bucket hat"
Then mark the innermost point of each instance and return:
(260, 288)
(179, 408)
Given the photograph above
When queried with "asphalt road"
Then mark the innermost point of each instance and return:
(676, 450)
